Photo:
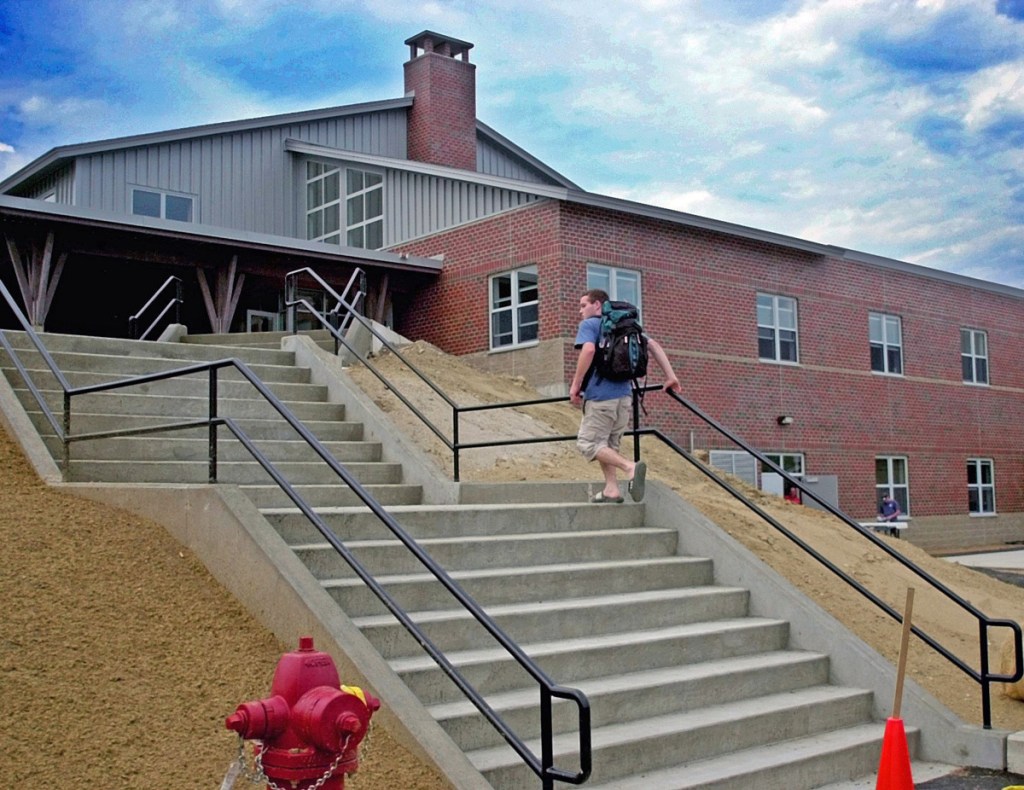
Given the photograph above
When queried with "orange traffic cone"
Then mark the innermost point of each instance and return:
(894, 767)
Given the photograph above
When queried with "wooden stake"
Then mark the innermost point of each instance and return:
(904, 644)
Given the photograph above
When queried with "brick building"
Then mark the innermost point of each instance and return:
(874, 374)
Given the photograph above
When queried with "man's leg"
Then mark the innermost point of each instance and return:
(610, 462)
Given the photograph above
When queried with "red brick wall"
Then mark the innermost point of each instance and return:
(699, 295)
(442, 121)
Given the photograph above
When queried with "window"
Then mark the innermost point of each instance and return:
(886, 339)
(791, 463)
(365, 209)
(323, 203)
(514, 308)
(974, 356)
(363, 202)
(620, 284)
(149, 203)
(776, 328)
(981, 487)
(891, 478)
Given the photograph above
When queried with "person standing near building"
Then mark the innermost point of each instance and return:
(607, 405)
(889, 510)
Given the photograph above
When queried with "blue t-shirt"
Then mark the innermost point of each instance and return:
(598, 388)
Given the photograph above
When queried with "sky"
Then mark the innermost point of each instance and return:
(890, 127)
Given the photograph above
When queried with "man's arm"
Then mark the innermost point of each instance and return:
(583, 361)
(656, 351)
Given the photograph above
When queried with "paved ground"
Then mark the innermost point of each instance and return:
(974, 779)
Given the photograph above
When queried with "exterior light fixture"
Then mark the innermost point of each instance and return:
(785, 419)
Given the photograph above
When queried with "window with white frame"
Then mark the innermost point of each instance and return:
(163, 205)
(974, 356)
(981, 487)
(364, 209)
(514, 320)
(362, 201)
(891, 478)
(791, 463)
(776, 328)
(323, 202)
(621, 285)
(886, 338)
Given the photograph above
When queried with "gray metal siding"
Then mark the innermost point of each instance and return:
(417, 205)
(60, 182)
(242, 180)
(494, 161)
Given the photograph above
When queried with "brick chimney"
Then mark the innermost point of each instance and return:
(442, 121)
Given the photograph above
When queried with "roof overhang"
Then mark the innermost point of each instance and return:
(12, 208)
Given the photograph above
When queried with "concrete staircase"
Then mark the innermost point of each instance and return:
(687, 688)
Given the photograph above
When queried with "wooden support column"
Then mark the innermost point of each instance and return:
(37, 278)
(222, 302)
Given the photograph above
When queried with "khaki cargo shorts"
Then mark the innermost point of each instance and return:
(603, 423)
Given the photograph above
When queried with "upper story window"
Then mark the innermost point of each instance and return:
(886, 337)
(164, 205)
(365, 209)
(363, 202)
(514, 319)
(776, 328)
(621, 285)
(891, 479)
(974, 356)
(981, 487)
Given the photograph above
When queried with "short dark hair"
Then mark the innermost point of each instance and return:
(596, 295)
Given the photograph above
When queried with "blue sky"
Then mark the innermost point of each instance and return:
(892, 127)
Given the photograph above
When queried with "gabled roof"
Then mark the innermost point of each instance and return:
(57, 156)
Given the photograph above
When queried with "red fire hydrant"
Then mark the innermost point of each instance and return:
(310, 727)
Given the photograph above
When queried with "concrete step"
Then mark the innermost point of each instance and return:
(417, 592)
(336, 495)
(471, 551)
(804, 763)
(119, 347)
(83, 370)
(321, 337)
(566, 618)
(266, 429)
(194, 385)
(191, 446)
(238, 472)
(184, 407)
(439, 521)
(627, 749)
(492, 670)
(636, 695)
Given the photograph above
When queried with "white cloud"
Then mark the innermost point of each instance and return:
(6, 149)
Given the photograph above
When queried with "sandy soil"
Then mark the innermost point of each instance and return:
(120, 656)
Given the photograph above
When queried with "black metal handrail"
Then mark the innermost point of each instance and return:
(543, 766)
(453, 444)
(339, 318)
(176, 301)
(983, 676)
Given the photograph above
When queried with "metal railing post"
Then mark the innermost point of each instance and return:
(636, 424)
(986, 701)
(179, 293)
(547, 756)
(66, 457)
(213, 425)
(455, 443)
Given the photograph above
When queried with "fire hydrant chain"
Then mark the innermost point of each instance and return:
(259, 777)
